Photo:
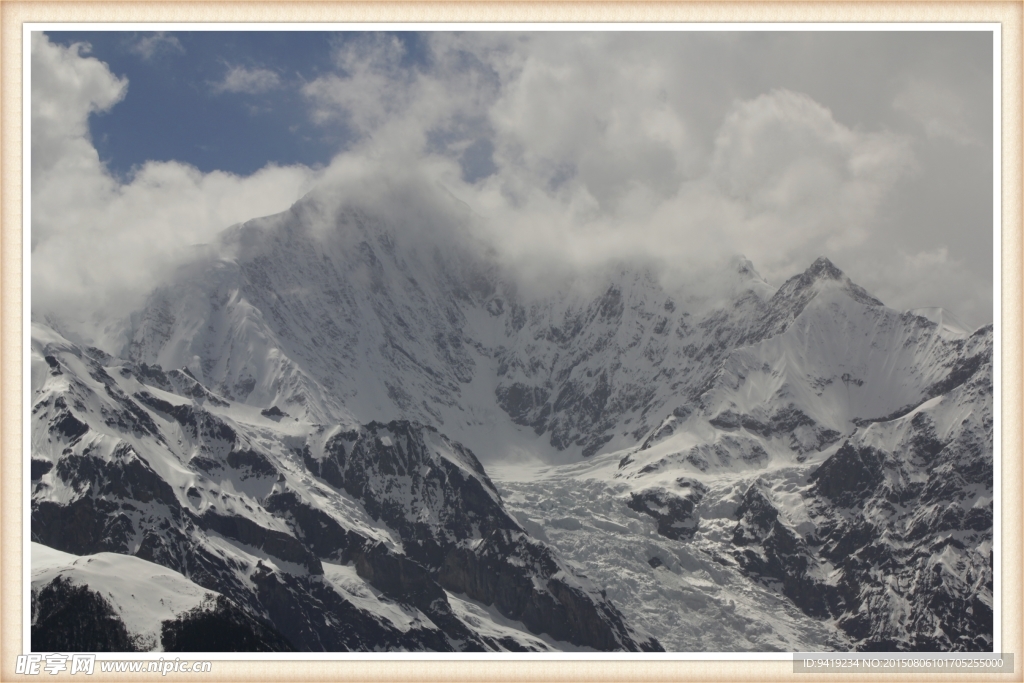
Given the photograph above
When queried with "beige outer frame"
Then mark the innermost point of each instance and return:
(14, 13)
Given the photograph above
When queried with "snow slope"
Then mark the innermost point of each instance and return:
(337, 318)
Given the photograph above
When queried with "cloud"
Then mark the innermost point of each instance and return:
(939, 110)
(919, 279)
(389, 102)
(67, 86)
(800, 182)
(371, 88)
(593, 159)
(100, 245)
(583, 151)
(239, 79)
(564, 155)
(149, 46)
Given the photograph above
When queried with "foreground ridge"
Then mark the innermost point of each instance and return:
(311, 538)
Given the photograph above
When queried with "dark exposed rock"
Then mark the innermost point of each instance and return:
(186, 384)
(218, 625)
(273, 411)
(125, 475)
(65, 424)
(675, 514)
(182, 413)
(781, 556)
(390, 467)
(405, 581)
(252, 462)
(276, 543)
(315, 618)
(665, 430)
(70, 618)
(725, 420)
(318, 530)
(781, 422)
(525, 404)
(84, 526)
(153, 375)
(849, 475)
(39, 467)
(503, 569)
(962, 370)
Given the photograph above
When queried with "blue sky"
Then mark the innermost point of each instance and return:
(177, 107)
(686, 148)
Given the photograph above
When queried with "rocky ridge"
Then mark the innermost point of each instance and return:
(341, 539)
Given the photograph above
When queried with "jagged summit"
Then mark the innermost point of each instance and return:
(820, 276)
(823, 268)
(788, 302)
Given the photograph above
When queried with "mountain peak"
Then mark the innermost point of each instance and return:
(793, 296)
(824, 271)
(741, 265)
(822, 268)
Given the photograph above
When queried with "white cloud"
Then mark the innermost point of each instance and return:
(151, 45)
(369, 88)
(940, 111)
(582, 151)
(594, 160)
(933, 277)
(100, 245)
(801, 182)
(67, 86)
(239, 79)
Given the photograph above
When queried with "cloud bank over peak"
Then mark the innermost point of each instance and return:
(570, 151)
(100, 244)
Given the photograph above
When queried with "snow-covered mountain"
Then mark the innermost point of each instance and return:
(385, 536)
(337, 432)
(349, 322)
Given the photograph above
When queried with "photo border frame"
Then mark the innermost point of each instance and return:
(13, 251)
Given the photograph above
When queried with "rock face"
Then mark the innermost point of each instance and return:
(68, 618)
(525, 581)
(400, 467)
(675, 513)
(900, 550)
(341, 538)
